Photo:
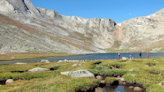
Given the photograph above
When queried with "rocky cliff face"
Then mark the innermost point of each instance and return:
(27, 28)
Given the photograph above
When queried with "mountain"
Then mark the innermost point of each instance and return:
(26, 28)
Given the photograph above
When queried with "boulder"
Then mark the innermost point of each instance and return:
(99, 77)
(60, 61)
(78, 73)
(38, 69)
(44, 61)
(8, 81)
(137, 89)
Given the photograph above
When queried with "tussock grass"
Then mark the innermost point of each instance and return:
(110, 79)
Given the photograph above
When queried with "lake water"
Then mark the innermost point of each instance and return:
(101, 56)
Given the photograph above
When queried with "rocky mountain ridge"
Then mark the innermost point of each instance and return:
(26, 28)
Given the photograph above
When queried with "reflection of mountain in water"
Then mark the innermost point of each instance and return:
(117, 88)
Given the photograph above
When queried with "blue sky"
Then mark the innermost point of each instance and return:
(118, 10)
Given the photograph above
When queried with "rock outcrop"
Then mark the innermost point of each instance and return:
(78, 73)
(26, 28)
(38, 69)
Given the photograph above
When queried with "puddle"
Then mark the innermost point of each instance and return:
(2, 82)
(118, 88)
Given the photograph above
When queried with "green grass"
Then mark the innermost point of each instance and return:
(29, 55)
(110, 79)
(135, 70)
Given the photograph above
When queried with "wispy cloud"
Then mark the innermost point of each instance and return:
(130, 13)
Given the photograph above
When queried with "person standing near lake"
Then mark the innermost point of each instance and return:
(140, 54)
(119, 57)
(148, 55)
(130, 55)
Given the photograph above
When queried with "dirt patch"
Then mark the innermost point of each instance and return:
(151, 65)
(115, 67)
(153, 72)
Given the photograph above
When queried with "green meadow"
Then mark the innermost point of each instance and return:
(148, 72)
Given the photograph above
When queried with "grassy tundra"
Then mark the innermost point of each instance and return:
(148, 72)
(17, 56)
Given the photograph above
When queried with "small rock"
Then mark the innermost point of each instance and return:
(131, 87)
(8, 81)
(99, 89)
(160, 74)
(160, 84)
(103, 81)
(99, 77)
(65, 60)
(38, 69)
(118, 76)
(20, 63)
(137, 89)
(12, 57)
(122, 79)
(132, 74)
(74, 65)
(45, 61)
(130, 69)
(124, 83)
(124, 58)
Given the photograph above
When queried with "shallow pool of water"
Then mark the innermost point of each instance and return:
(118, 89)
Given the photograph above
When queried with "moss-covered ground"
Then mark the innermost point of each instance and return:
(136, 70)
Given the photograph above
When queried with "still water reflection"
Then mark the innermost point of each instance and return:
(118, 89)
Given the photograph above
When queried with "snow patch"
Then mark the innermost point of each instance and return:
(119, 24)
(148, 17)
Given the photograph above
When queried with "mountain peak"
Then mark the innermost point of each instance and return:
(19, 6)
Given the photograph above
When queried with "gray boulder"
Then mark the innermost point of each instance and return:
(38, 69)
(45, 61)
(8, 81)
(60, 61)
(78, 73)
